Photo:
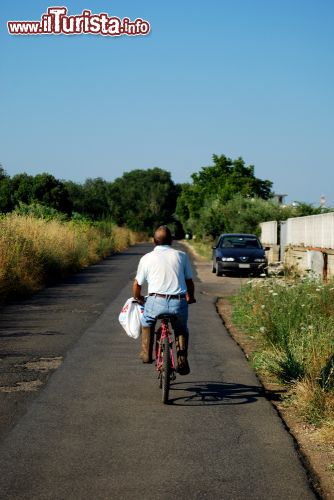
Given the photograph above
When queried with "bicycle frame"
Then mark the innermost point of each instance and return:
(163, 332)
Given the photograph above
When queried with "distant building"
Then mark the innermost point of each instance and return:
(323, 201)
(279, 198)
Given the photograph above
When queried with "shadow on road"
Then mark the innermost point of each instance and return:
(58, 285)
(213, 393)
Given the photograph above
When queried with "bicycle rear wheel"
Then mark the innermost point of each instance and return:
(166, 371)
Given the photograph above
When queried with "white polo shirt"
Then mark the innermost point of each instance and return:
(165, 270)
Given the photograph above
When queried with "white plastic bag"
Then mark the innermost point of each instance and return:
(129, 318)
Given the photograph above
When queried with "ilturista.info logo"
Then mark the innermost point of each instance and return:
(56, 21)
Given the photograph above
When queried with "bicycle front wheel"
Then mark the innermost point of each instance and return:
(166, 371)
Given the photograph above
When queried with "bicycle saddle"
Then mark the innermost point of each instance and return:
(166, 316)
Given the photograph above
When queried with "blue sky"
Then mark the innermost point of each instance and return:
(250, 78)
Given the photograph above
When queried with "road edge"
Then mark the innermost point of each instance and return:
(224, 310)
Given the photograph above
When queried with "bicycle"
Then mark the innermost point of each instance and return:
(165, 356)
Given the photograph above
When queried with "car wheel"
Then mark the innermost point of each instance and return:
(213, 267)
(218, 270)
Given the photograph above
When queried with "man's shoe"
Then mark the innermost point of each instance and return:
(182, 353)
(182, 365)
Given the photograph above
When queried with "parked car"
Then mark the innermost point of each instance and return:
(238, 253)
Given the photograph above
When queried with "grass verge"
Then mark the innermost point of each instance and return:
(293, 324)
(202, 248)
(34, 252)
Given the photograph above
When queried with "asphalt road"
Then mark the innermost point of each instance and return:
(86, 422)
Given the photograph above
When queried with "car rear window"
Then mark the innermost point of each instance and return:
(240, 242)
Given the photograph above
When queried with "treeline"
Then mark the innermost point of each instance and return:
(140, 199)
(225, 196)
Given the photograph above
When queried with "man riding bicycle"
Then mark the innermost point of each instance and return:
(170, 289)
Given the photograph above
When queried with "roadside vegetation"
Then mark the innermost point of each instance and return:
(36, 251)
(50, 227)
(291, 319)
(202, 247)
(228, 197)
(225, 196)
(139, 200)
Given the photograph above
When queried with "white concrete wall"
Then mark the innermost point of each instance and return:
(269, 232)
(312, 231)
(309, 243)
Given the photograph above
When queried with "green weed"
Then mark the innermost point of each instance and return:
(293, 320)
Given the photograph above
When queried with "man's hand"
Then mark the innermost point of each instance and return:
(136, 291)
(140, 300)
(190, 297)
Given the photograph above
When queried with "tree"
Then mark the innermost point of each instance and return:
(213, 187)
(21, 188)
(227, 177)
(244, 215)
(51, 192)
(143, 199)
(6, 204)
(76, 195)
(27, 189)
(90, 199)
(96, 198)
(3, 173)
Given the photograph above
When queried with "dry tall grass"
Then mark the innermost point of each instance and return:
(35, 251)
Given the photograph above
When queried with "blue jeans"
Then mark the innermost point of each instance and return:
(154, 306)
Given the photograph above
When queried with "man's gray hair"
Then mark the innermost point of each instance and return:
(162, 236)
